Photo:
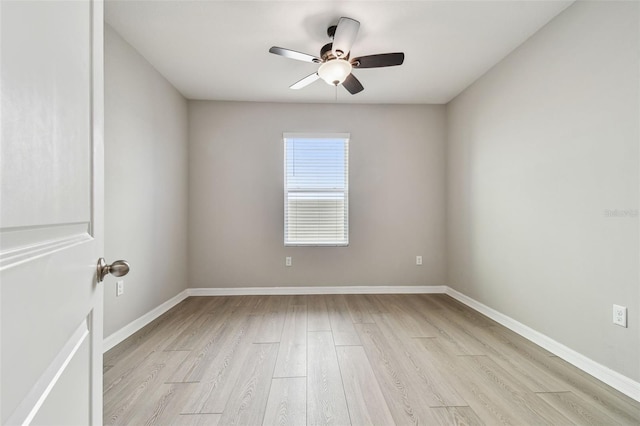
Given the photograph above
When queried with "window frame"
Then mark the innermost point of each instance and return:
(346, 138)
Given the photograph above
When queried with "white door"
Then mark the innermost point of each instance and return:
(51, 212)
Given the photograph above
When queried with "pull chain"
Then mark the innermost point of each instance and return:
(336, 100)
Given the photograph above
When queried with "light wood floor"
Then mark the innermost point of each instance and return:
(340, 360)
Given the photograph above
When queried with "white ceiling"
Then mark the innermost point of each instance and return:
(219, 49)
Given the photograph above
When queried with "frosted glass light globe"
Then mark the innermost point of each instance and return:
(335, 71)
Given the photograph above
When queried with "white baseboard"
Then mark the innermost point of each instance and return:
(269, 291)
(135, 325)
(614, 379)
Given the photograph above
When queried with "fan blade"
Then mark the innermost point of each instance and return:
(352, 84)
(292, 54)
(305, 81)
(377, 61)
(345, 35)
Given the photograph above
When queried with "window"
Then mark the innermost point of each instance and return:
(316, 189)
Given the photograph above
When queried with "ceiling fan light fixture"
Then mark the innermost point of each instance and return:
(335, 71)
(336, 61)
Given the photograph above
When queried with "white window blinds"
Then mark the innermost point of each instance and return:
(316, 189)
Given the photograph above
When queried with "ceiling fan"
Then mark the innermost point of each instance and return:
(336, 65)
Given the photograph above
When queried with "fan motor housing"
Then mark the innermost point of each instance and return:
(325, 52)
(327, 55)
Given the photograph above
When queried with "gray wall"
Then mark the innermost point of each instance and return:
(236, 195)
(539, 150)
(145, 183)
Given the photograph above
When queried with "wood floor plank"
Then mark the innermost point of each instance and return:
(287, 403)
(342, 327)
(481, 339)
(292, 353)
(457, 416)
(230, 335)
(408, 321)
(317, 313)
(162, 406)
(275, 311)
(124, 399)
(152, 338)
(256, 304)
(427, 358)
(484, 392)
(577, 409)
(617, 405)
(521, 363)
(219, 376)
(493, 393)
(248, 398)
(447, 303)
(173, 412)
(139, 338)
(196, 420)
(505, 387)
(298, 299)
(151, 409)
(404, 402)
(358, 309)
(192, 335)
(326, 402)
(434, 387)
(124, 368)
(449, 309)
(365, 400)
(526, 347)
(458, 341)
(375, 303)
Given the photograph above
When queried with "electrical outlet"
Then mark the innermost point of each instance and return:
(620, 315)
(418, 260)
(287, 261)
(119, 288)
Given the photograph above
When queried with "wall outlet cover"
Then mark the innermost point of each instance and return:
(620, 315)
